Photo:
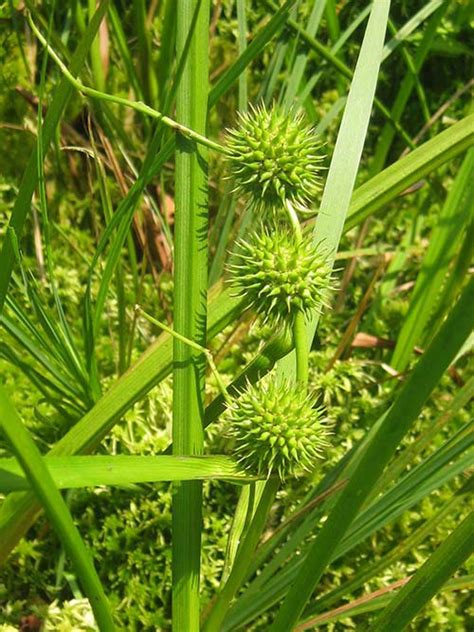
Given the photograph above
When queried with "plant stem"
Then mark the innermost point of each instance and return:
(243, 558)
(300, 338)
(138, 106)
(193, 345)
(301, 348)
(293, 217)
(190, 305)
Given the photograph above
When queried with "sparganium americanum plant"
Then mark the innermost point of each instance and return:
(271, 427)
(277, 429)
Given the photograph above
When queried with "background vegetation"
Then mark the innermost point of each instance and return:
(88, 230)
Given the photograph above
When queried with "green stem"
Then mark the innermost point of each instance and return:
(300, 338)
(243, 558)
(138, 106)
(98, 70)
(301, 348)
(190, 305)
(193, 345)
(293, 217)
(244, 513)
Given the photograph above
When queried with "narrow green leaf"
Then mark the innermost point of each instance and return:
(91, 471)
(299, 66)
(426, 438)
(125, 55)
(385, 186)
(388, 133)
(411, 25)
(455, 214)
(383, 445)
(455, 280)
(56, 509)
(404, 548)
(429, 579)
(274, 25)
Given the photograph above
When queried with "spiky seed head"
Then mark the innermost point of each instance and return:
(279, 274)
(277, 429)
(275, 158)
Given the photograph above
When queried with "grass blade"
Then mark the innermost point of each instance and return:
(43, 485)
(255, 47)
(388, 133)
(299, 66)
(384, 443)
(398, 552)
(455, 214)
(91, 471)
(385, 186)
(428, 580)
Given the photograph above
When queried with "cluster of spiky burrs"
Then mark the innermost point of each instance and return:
(274, 158)
(275, 163)
(277, 429)
(279, 274)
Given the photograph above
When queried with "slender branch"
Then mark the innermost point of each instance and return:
(193, 345)
(138, 106)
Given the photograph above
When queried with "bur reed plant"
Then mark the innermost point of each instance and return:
(318, 492)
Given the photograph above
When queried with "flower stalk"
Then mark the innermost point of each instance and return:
(301, 348)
